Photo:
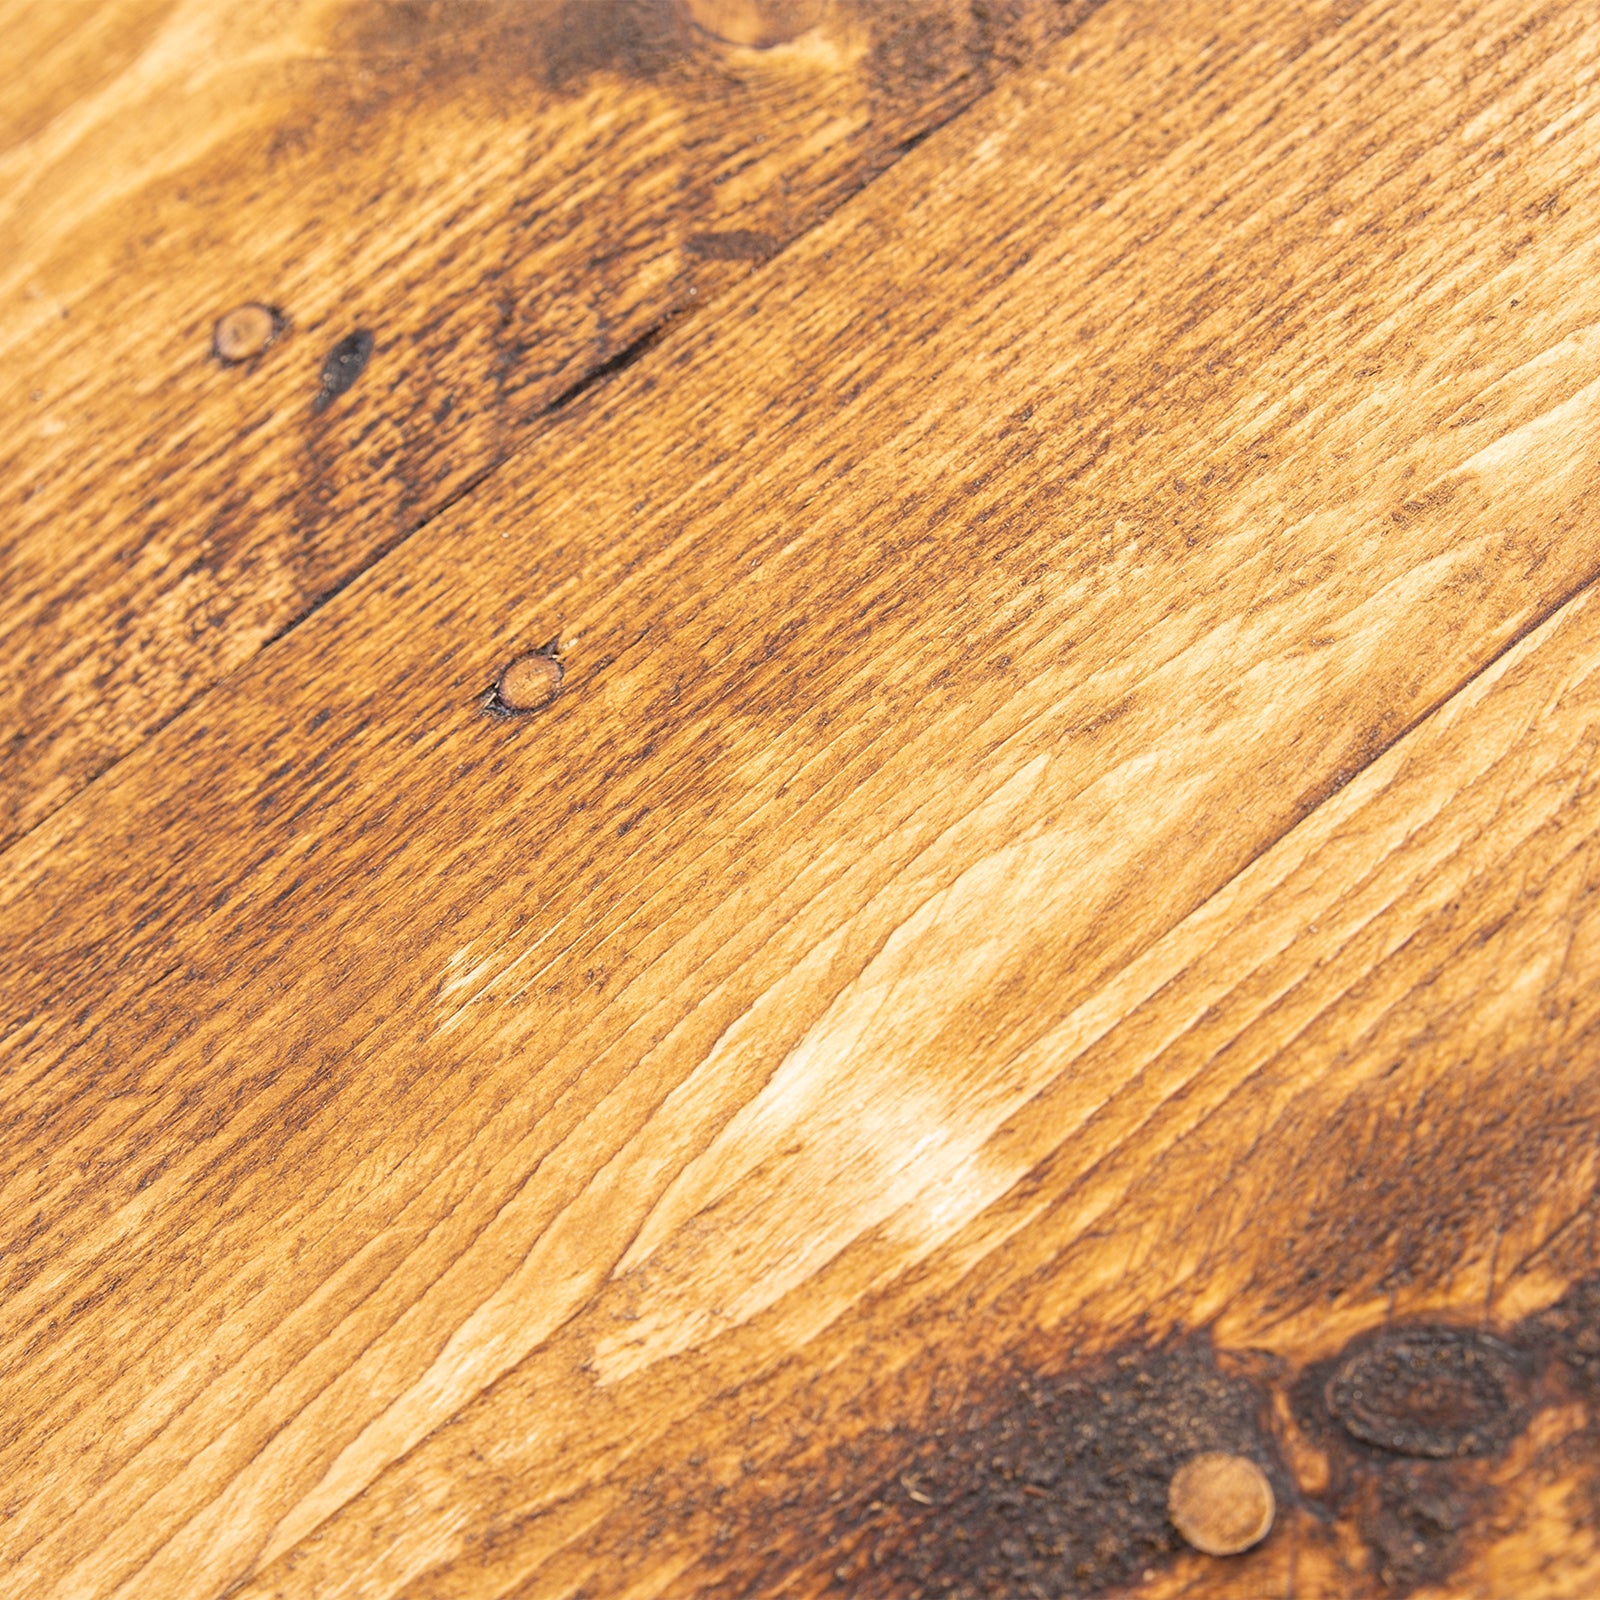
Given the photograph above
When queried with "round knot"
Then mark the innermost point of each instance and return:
(1221, 1503)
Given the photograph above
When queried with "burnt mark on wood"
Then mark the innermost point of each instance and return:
(1029, 1476)
(1568, 1333)
(1436, 1392)
(343, 364)
(736, 244)
(919, 46)
(1414, 1518)
(447, 47)
(1030, 1471)
(1058, 1486)
(1413, 1419)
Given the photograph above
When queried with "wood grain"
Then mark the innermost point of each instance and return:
(509, 196)
(1067, 821)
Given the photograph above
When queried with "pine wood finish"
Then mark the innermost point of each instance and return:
(1051, 924)
(507, 196)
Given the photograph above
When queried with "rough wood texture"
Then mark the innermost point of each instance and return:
(507, 195)
(1051, 924)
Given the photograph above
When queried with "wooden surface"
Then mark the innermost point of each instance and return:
(508, 195)
(1050, 926)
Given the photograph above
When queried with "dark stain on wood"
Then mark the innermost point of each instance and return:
(1047, 1485)
(1415, 1519)
(344, 363)
(1035, 1472)
(1436, 1392)
(737, 244)
(1570, 1331)
(1031, 1474)
(556, 47)
(1413, 1417)
(640, 39)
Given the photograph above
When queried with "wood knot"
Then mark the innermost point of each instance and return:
(525, 684)
(245, 332)
(1222, 1504)
(1429, 1391)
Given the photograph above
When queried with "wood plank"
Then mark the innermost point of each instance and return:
(1357, 1090)
(943, 626)
(507, 195)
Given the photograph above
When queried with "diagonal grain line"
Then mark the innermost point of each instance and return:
(1146, 1074)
